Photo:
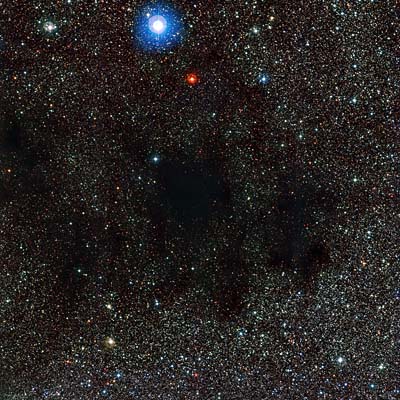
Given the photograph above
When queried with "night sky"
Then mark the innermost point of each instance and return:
(199, 200)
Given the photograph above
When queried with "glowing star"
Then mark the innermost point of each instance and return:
(110, 342)
(49, 27)
(340, 360)
(155, 159)
(264, 79)
(157, 27)
(192, 79)
(158, 24)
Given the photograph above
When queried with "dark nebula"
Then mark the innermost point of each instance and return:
(11, 137)
(192, 192)
(232, 280)
(298, 246)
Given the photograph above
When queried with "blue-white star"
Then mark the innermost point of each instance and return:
(264, 79)
(157, 24)
(157, 27)
(155, 159)
(49, 27)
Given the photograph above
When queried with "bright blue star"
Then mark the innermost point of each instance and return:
(264, 79)
(157, 27)
(158, 24)
(155, 159)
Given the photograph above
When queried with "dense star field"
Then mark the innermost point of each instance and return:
(199, 199)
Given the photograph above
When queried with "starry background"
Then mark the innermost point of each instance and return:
(212, 212)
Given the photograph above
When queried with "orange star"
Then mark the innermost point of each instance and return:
(192, 79)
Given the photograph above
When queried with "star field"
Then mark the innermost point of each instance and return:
(199, 200)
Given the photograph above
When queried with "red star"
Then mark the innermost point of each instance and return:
(192, 79)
